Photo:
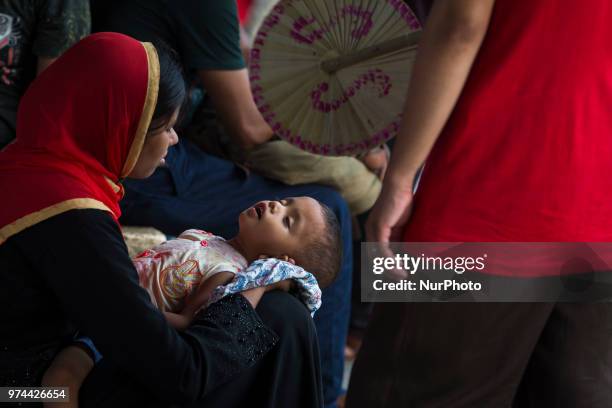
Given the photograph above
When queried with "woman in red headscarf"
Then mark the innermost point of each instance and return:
(102, 112)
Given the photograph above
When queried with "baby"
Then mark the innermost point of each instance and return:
(181, 275)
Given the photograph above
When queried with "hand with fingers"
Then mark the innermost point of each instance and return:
(387, 220)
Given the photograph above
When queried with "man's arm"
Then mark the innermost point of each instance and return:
(230, 91)
(451, 40)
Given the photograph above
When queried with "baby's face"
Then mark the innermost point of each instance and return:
(278, 228)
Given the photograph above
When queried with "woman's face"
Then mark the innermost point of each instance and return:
(155, 148)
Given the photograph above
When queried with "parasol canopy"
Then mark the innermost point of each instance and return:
(331, 76)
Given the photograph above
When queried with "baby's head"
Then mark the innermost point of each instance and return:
(301, 228)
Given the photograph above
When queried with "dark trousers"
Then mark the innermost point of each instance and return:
(485, 355)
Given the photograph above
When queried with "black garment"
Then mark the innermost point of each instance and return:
(485, 355)
(205, 34)
(279, 380)
(73, 271)
(31, 29)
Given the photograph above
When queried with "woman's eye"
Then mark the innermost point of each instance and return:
(286, 222)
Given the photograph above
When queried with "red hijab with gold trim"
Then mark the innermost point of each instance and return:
(80, 129)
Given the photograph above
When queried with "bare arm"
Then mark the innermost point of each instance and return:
(197, 299)
(451, 39)
(233, 100)
(200, 296)
(68, 369)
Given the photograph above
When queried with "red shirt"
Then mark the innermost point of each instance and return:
(527, 152)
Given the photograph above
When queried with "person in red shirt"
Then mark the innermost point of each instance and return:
(510, 104)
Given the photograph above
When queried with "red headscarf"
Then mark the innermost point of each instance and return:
(80, 129)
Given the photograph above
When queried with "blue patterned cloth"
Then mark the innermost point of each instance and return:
(264, 272)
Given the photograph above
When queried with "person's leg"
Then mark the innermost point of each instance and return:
(281, 161)
(445, 354)
(572, 363)
(203, 191)
(105, 386)
(289, 375)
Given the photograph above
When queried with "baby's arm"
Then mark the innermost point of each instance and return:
(68, 369)
(197, 299)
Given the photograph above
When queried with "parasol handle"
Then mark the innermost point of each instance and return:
(405, 41)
